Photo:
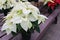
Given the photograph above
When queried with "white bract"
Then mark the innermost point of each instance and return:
(1, 3)
(8, 26)
(23, 13)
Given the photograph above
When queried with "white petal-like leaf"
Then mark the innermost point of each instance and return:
(25, 25)
(16, 20)
(32, 18)
(9, 27)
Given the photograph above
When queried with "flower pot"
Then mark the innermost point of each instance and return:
(1, 11)
(26, 35)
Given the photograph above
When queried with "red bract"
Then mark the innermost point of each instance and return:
(57, 1)
(51, 5)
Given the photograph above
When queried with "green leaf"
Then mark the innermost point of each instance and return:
(13, 33)
(32, 29)
(18, 27)
(36, 26)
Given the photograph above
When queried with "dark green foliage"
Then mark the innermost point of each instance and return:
(18, 27)
(36, 26)
(5, 11)
(13, 33)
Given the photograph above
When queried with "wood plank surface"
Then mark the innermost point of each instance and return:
(43, 27)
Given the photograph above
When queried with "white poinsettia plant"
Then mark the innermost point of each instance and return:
(5, 4)
(24, 14)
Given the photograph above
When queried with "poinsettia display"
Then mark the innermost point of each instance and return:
(24, 18)
(24, 14)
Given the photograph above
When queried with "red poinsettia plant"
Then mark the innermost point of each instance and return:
(53, 4)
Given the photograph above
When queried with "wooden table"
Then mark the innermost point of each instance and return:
(35, 35)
